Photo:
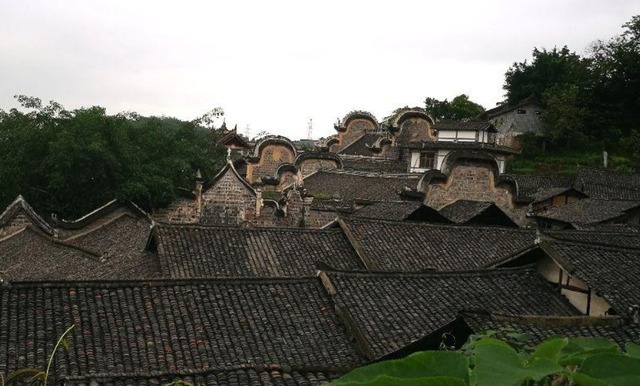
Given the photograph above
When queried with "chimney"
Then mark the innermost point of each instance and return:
(198, 192)
(605, 159)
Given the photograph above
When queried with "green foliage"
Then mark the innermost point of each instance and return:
(460, 108)
(590, 99)
(70, 162)
(486, 361)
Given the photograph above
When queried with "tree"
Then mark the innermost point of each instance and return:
(460, 108)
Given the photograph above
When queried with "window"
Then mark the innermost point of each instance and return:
(427, 160)
(520, 111)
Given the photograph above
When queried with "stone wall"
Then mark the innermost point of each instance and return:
(228, 202)
(415, 130)
(320, 218)
(473, 180)
(271, 156)
(181, 211)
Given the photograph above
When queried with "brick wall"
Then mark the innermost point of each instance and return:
(473, 180)
(228, 202)
(181, 211)
(271, 156)
(354, 130)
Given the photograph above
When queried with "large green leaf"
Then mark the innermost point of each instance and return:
(550, 349)
(426, 364)
(497, 365)
(633, 350)
(578, 349)
(384, 380)
(609, 369)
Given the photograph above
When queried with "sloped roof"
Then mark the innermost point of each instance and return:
(391, 310)
(466, 211)
(589, 211)
(32, 255)
(609, 236)
(232, 376)
(461, 146)
(464, 125)
(360, 186)
(136, 329)
(121, 245)
(410, 246)
(198, 251)
(374, 164)
(20, 205)
(102, 212)
(231, 138)
(608, 185)
(542, 327)
(398, 210)
(230, 168)
(612, 272)
(366, 145)
(531, 185)
(502, 109)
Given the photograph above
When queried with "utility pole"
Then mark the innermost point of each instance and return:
(310, 130)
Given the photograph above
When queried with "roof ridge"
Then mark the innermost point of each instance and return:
(530, 268)
(159, 282)
(242, 229)
(594, 245)
(432, 225)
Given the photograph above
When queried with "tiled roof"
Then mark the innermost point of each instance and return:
(542, 327)
(20, 205)
(239, 376)
(398, 210)
(461, 146)
(363, 145)
(608, 185)
(31, 255)
(197, 251)
(608, 236)
(360, 186)
(499, 110)
(375, 164)
(612, 272)
(332, 205)
(121, 245)
(391, 310)
(589, 211)
(463, 126)
(133, 329)
(410, 246)
(533, 187)
(480, 212)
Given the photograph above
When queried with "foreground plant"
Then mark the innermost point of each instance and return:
(486, 361)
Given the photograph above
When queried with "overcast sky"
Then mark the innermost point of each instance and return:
(273, 65)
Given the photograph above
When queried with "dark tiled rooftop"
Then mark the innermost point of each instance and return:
(196, 251)
(589, 211)
(32, 255)
(133, 329)
(392, 310)
(363, 145)
(608, 185)
(375, 164)
(534, 187)
(609, 236)
(462, 211)
(360, 186)
(399, 210)
(612, 272)
(409, 246)
(543, 327)
(462, 126)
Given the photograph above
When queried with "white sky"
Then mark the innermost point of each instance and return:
(273, 65)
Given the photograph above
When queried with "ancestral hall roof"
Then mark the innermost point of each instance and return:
(140, 329)
(198, 251)
(589, 211)
(391, 310)
(411, 246)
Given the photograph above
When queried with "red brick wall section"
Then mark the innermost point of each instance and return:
(228, 202)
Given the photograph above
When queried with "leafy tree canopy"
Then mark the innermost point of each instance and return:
(70, 162)
(460, 108)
